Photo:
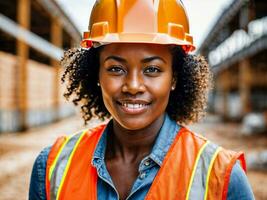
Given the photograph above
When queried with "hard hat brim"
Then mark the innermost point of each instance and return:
(150, 38)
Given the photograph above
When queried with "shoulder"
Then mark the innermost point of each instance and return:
(79, 140)
(37, 183)
(239, 187)
(86, 134)
(48, 154)
(223, 153)
(40, 161)
(42, 157)
(186, 131)
(232, 165)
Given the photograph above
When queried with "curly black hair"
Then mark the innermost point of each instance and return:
(186, 103)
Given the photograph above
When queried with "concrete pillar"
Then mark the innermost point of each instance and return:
(57, 40)
(23, 18)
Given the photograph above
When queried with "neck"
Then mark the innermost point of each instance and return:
(133, 144)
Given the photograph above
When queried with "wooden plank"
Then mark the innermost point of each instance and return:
(33, 40)
(56, 12)
(222, 86)
(245, 85)
(57, 40)
(23, 18)
(225, 77)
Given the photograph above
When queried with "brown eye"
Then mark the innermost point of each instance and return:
(152, 70)
(117, 70)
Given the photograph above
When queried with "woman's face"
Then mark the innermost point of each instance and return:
(136, 80)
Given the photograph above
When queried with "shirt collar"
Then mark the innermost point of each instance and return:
(102, 143)
(164, 140)
(166, 135)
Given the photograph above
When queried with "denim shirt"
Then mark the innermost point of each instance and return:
(239, 187)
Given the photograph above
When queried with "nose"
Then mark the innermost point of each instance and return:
(134, 83)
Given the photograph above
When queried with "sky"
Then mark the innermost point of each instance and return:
(202, 14)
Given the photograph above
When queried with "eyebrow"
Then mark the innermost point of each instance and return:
(117, 58)
(149, 59)
(145, 60)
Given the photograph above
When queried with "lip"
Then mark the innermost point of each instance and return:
(133, 107)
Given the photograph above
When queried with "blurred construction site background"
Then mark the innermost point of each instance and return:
(33, 112)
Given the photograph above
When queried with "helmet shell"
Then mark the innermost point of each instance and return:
(139, 21)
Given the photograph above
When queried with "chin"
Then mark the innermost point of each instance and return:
(133, 125)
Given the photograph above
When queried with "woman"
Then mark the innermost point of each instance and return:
(139, 74)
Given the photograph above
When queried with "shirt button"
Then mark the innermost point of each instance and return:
(147, 163)
(142, 175)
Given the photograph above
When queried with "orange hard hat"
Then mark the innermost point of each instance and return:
(139, 21)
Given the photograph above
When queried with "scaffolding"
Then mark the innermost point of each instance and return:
(33, 36)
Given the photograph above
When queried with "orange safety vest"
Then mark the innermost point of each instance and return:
(193, 168)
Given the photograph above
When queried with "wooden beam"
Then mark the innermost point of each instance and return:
(259, 70)
(23, 17)
(244, 17)
(223, 86)
(225, 81)
(57, 40)
(13, 29)
(74, 43)
(54, 9)
(245, 85)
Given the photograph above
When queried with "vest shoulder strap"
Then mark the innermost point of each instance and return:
(221, 172)
(175, 172)
(52, 156)
(191, 168)
(64, 163)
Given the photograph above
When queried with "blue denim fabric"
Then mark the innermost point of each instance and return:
(37, 184)
(239, 187)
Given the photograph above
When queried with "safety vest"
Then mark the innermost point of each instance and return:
(193, 168)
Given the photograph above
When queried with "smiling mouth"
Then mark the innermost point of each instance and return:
(135, 107)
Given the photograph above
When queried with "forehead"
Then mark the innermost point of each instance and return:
(136, 50)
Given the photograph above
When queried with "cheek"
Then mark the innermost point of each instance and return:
(110, 87)
(106, 83)
(162, 86)
(108, 91)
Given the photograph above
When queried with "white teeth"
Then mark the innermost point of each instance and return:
(133, 106)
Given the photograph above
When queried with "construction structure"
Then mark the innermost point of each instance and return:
(33, 35)
(236, 48)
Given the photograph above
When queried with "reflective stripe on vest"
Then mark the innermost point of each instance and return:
(198, 186)
(193, 168)
(61, 164)
(69, 172)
